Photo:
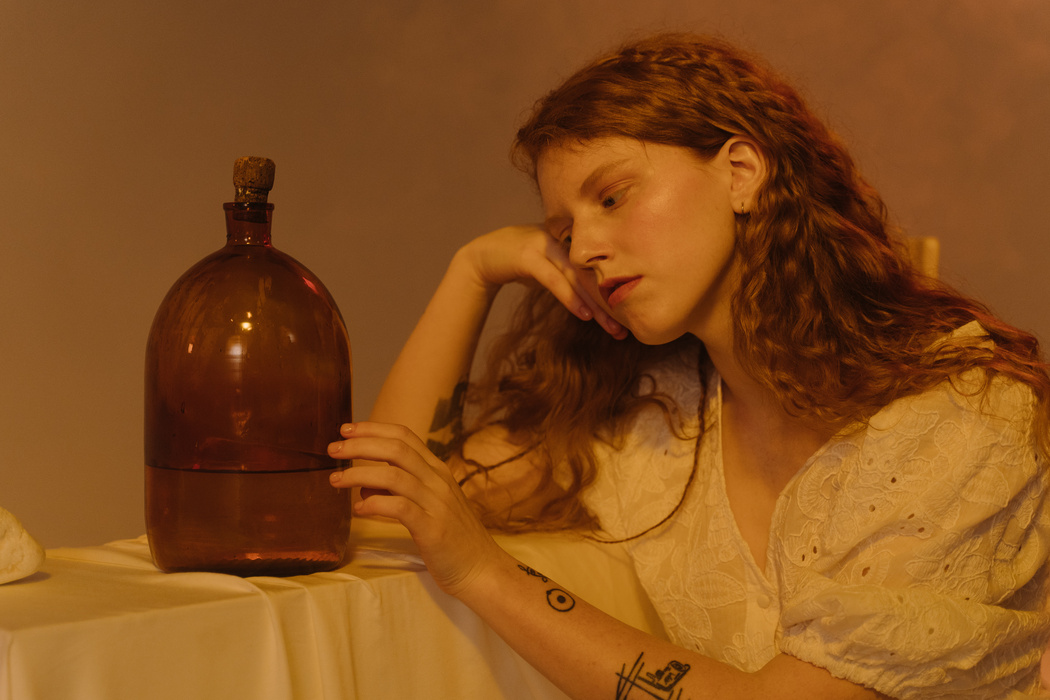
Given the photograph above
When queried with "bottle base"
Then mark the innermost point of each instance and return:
(246, 523)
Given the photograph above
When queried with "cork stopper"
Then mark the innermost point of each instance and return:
(252, 179)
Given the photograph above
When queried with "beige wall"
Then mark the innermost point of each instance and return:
(389, 122)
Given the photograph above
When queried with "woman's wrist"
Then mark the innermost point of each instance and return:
(489, 576)
(467, 267)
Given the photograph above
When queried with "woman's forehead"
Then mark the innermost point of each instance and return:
(571, 168)
(577, 159)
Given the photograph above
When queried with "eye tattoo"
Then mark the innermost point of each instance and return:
(557, 598)
(560, 600)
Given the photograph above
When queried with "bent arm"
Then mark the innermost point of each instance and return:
(424, 388)
(420, 392)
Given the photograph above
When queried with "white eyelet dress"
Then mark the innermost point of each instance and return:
(908, 555)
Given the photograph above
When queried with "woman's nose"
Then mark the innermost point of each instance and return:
(587, 247)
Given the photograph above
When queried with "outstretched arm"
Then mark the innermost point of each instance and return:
(581, 649)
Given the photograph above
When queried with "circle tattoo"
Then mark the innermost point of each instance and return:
(560, 600)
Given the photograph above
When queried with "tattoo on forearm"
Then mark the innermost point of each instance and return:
(450, 411)
(557, 598)
(441, 450)
(560, 600)
(532, 572)
(449, 416)
(659, 684)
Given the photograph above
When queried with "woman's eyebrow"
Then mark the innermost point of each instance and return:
(600, 172)
(589, 182)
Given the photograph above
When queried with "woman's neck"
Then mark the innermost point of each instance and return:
(756, 414)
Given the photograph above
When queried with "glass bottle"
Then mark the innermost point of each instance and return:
(248, 378)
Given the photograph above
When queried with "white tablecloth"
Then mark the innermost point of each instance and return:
(102, 623)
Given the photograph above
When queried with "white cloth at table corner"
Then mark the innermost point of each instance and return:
(908, 555)
(20, 554)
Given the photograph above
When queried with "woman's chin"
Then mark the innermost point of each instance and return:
(654, 336)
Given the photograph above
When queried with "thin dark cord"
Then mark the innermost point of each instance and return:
(692, 472)
(480, 468)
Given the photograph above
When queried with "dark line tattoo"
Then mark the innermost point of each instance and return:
(532, 572)
(450, 411)
(449, 416)
(441, 450)
(659, 684)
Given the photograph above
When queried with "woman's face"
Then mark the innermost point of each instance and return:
(651, 227)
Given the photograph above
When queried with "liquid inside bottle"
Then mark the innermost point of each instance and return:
(248, 378)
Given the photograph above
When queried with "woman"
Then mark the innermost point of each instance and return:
(830, 471)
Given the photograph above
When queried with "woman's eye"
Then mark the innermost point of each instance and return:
(611, 200)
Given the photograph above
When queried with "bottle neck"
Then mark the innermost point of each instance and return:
(248, 223)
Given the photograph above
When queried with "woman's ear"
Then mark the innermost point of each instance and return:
(747, 168)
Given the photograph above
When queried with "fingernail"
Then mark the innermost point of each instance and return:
(334, 447)
(335, 477)
(585, 313)
(346, 428)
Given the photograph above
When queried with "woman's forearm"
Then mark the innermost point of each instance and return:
(589, 654)
(582, 650)
(422, 389)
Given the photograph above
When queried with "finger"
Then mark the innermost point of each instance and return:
(392, 492)
(561, 279)
(565, 289)
(407, 489)
(388, 453)
(596, 311)
(391, 431)
(385, 505)
(370, 444)
(545, 260)
(611, 326)
(382, 477)
(606, 321)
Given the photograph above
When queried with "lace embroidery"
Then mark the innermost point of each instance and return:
(909, 556)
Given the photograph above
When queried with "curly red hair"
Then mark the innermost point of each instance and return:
(817, 234)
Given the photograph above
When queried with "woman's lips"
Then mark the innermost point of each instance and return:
(615, 290)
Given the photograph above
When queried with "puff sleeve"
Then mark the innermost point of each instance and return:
(913, 554)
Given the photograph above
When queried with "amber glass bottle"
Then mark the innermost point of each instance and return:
(247, 381)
